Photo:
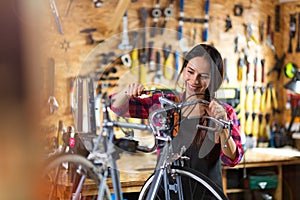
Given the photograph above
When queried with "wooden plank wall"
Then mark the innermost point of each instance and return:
(71, 49)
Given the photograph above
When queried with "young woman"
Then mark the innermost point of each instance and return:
(202, 74)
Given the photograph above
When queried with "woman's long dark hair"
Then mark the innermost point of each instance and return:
(212, 55)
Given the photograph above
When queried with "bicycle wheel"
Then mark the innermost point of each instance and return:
(195, 186)
(70, 176)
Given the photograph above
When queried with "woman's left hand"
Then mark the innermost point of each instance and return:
(216, 110)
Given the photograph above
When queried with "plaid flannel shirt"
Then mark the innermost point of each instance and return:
(141, 108)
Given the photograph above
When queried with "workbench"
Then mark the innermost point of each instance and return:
(135, 168)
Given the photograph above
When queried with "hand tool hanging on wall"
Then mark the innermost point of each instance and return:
(247, 63)
(236, 44)
(292, 31)
(262, 63)
(268, 130)
(249, 33)
(240, 65)
(262, 99)
(90, 38)
(68, 8)
(225, 70)
(168, 13)
(274, 99)
(262, 89)
(256, 98)
(205, 32)
(228, 24)
(268, 98)
(135, 55)
(248, 124)
(177, 58)
(204, 21)
(255, 63)
(298, 35)
(156, 14)
(181, 16)
(158, 74)
(272, 102)
(249, 98)
(52, 100)
(278, 66)
(56, 17)
(106, 58)
(142, 53)
(255, 125)
(124, 45)
(261, 133)
(261, 31)
(151, 57)
(168, 69)
(269, 39)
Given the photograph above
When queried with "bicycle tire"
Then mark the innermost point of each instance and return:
(72, 177)
(202, 186)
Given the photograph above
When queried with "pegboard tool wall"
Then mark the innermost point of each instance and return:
(71, 48)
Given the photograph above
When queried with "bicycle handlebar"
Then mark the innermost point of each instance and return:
(167, 105)
(220, 123)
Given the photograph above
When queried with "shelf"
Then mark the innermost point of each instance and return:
(235, 190)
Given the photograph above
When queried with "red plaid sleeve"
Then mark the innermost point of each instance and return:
(139, 107)
(235, 134)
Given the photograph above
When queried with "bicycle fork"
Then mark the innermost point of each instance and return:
(155, 184)
(175, 187)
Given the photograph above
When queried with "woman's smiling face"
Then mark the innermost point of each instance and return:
(197, 75)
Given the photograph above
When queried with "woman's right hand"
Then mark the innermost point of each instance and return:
(134, 89)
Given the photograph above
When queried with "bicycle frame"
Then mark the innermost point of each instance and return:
(110, 155)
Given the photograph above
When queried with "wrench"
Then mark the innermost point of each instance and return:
(125, 41)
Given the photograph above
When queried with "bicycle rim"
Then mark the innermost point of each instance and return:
(64, 174)
(195, 186)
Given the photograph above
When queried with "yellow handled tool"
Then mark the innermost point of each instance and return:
(274, 97)
(262, 98)
(135, 61)
(256, 99)
(261, 133)
(255, 125)
(168, 70)
(268, 97)
(248, 124)
(249, 98)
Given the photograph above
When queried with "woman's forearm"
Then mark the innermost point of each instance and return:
(230, 149)
(120, 99)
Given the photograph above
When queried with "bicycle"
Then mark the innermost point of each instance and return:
(95, 170)
(170, 174)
